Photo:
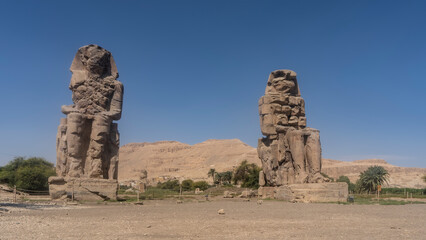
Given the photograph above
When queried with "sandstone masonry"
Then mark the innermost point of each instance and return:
(87, 142)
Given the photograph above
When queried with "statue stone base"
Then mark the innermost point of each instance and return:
(83, 189)
(307, 192)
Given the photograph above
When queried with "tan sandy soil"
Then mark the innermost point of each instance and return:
(200, 220)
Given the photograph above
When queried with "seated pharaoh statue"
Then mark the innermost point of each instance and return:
(290, 152)
(88, 140)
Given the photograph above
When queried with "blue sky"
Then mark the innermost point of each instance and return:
(194, 70)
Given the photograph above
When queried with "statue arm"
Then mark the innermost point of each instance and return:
(116, 102)
(66, 109)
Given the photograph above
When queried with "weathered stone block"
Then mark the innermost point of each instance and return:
(307, 192)
(83, 189)
(266, 192)
(320, 192)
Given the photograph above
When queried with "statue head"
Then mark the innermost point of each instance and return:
(283, 81)
(93, 61)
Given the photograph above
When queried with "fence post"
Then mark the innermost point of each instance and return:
(14, 194)
(72, 194)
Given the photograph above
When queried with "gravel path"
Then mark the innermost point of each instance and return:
(200, 220)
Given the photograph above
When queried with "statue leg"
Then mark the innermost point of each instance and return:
(75, 128)
(98, 140)
(313, 156)
(61, 149)
(297, 148)
(114, 146)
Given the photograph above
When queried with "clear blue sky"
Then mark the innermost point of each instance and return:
(194, 70)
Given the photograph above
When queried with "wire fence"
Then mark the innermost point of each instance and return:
(33, 192)
(24, 193)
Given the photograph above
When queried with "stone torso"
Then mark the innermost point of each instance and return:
(93, 95)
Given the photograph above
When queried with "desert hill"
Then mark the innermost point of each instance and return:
(170, 159)
(398, 176)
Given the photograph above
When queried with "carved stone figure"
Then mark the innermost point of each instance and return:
(88, 140)
(290, 152)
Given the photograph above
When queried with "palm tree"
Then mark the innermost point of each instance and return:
(372, 177)
(211, 173)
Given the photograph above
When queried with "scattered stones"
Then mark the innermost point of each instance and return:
(247, 194)
(221, 211)
(228, 194)
(3, 210)
(259, 202)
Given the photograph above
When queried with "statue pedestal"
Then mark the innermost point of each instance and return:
(83, 189)
(307, 192)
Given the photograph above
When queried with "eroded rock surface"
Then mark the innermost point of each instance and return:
(88, 140)
(290, 152)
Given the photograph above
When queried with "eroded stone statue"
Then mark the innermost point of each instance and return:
(290, 152)
(88, 140)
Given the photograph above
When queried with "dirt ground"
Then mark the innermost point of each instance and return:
(166, 219)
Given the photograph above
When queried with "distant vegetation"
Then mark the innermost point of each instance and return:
(169, 185)
(223, 178)
(403, 191)
(187, 185)
(27, 174)
(371, 178)
(247, 174)
(351, 186)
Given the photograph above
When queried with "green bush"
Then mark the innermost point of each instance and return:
(202, 185)
(33, 178)
(403, 191)
(351, 186)
(170, 185)
(27, 174)
(247, 174)
(187, 185)
(223, 177)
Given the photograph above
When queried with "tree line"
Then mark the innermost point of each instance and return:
(27, 173)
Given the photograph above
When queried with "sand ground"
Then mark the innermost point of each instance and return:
(166, 219)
